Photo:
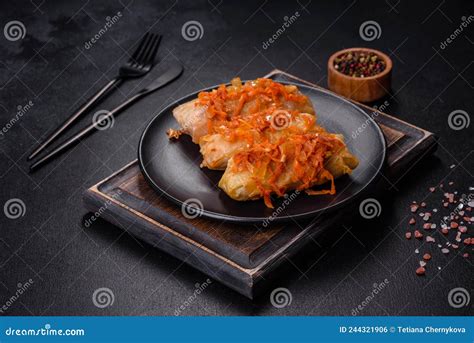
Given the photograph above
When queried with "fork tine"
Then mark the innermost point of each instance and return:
(140, 48)
(142, 58)
(145, 49)
(149, 59)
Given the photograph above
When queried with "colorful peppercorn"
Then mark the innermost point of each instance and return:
(359, 64)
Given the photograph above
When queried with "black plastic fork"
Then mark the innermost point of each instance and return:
(138, 65)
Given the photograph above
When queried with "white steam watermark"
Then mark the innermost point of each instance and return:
(192, 208)
(14, 30)
(14, 208)
(370, 208)
(458, 120)
(192, 30)
(281, 297)
(103, 297)
(459, 297)
(370, 30)
(103, 120)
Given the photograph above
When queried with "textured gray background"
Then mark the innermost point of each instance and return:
(68, 262)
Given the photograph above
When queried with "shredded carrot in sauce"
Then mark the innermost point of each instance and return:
(244, 112)
(174, 134)
(225, 106)
(303, 155)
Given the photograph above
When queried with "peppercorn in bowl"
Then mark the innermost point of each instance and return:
(360, 74)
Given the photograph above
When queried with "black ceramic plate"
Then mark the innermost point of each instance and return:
(172, 166)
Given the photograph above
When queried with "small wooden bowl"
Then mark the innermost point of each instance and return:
(363, 89)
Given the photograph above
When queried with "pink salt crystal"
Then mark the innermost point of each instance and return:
(430, 239)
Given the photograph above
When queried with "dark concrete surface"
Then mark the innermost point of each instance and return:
(52, 68)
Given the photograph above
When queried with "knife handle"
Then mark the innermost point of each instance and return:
(91, 102)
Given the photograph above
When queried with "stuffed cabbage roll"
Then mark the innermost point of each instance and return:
(303, 162)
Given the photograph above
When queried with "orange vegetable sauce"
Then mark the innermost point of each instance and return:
(245, 112)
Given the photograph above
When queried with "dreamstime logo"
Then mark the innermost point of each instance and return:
(281, 297)
(103, 297)
(14, 208)
(21, 289)
(109, 22)
(285, 203)
(103, 120)
(370, 30)
(458, 120)
(21, 111)
(288, 21)
(370, 208)
(458, 297)
(376, 289)
(192, 208)
(42, 331)
(464, 201)
(192, 30)
(88, 222)
(459, 30)
(377, 109)
(14, 30)
(189, 301)
(280, 119)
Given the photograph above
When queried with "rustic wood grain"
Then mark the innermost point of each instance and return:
(243, 257)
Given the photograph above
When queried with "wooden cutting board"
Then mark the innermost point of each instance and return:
(243, 257)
